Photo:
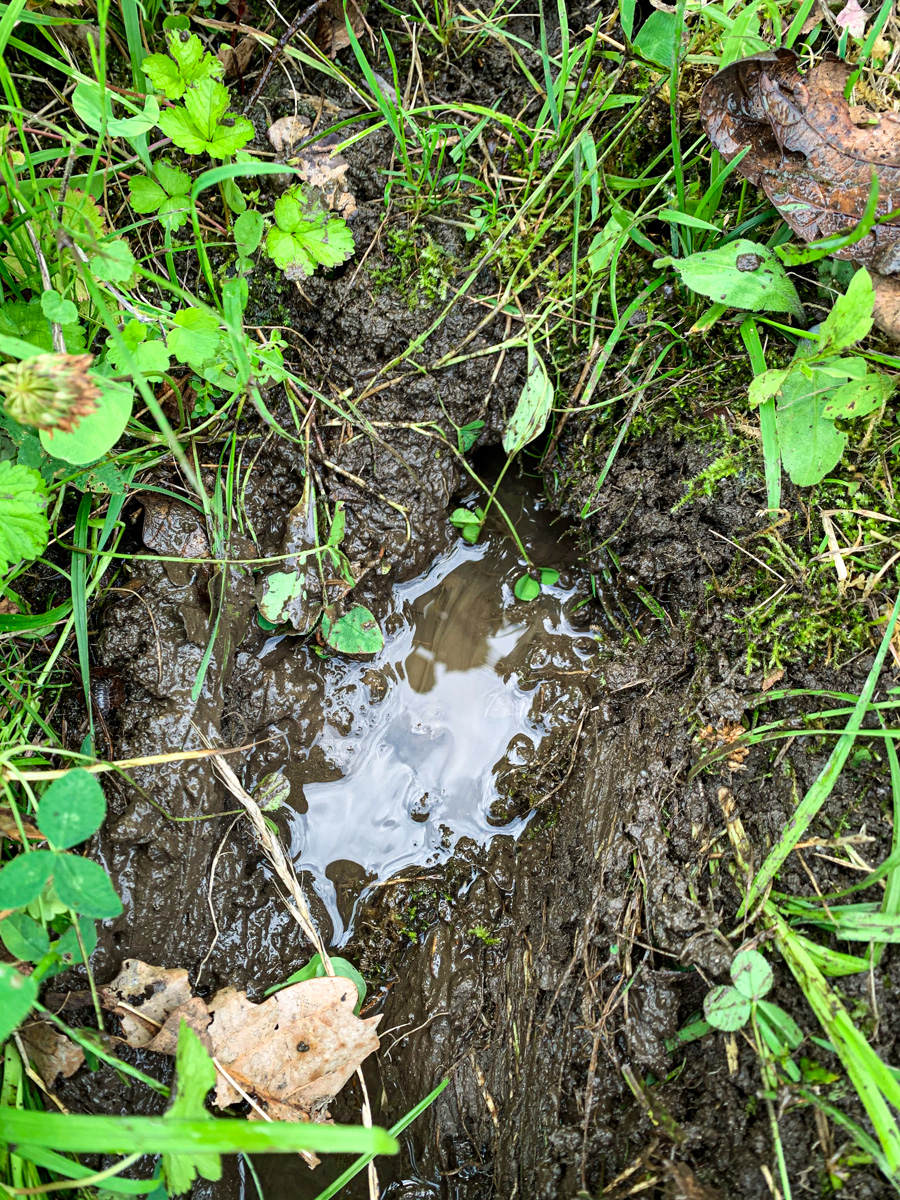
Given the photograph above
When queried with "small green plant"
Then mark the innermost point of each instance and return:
(186, 65)
(24, 528)
(166, 194)
(306, 236)
(484, 935)
(731, 1007)
(740, 274)
(203, 125)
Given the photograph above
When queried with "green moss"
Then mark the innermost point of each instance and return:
(420, 270)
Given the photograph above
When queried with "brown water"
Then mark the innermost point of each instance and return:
(422, 737)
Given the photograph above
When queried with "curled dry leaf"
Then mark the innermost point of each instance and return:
(236, 59)
(51, 1052)
(808, 152)
(293, 1053)
(331, 29)
(317, 163)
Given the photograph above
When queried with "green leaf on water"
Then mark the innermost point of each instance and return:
(851, 317)
(83, 885)
(526, 588)
(17, 994)
(24, 529)
(357, 632)
(23, 879)
(24, 938)
(726, 1009)
(741, 274)
(751, 974)
(195, 1075)
(534, 406)
(71, 809)
(549, 576)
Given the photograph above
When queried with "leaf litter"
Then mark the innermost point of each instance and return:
(290, 1055)
(816, 158)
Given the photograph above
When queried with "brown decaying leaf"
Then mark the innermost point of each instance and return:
(316, 162)
(51, 1052)
(331, 29)
(236, 59)
(809, 154)
(172, 528)
(9, 828)
(293, 1052)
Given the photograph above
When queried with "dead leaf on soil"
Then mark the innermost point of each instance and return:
(809, 154)
(9, 828)
(236, 59)
(293, 1053)
(331, 29)
(852, 18)
(51, 1052)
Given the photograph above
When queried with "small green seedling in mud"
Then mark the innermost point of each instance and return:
(528, 587)
(166, 195)
(484, 935)
(306, 236)
(730, 1007)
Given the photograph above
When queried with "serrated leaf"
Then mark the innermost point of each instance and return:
(287, 211)
(24, 529)
(177, 124)
(163, 73)
(285, 251)
(206, 102)
(851, 319)
(145, 195)
(23, 879)
(83, 885)
(741, 274)
(172, 179)
(534, 406)
(17, 994)
(71, 809)
(357, 632)
(305, 236)
(152, 358)
(195, 338)
(751, 974)
(231, 134)
(726, 1009)
(859, 397)
(24, 938)
(98, 432)
(194, 62)
(195, 1075)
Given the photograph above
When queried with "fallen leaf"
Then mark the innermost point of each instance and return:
(195, 1014)
(154, 992)
(852, 18)
(331, 29)
(172, 528)
(806, 150)
(236, 59)
(317, 163)
(51, 1052)
(771, 680)
(9, 828)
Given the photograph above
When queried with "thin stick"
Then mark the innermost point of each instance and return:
(278, 50)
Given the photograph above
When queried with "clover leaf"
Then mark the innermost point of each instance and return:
(305, 236)
(166, 195)
(189, 64)
(204, 125)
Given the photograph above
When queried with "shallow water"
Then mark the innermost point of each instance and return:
(423, 735)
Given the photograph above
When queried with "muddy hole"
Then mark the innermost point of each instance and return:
(409, 753)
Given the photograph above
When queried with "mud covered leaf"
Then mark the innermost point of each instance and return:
(356, 632)
(82, 884)
(726, 1009)
(24, 938)
(194, 1076)
(24, 529)
(331, 27)
(805, 150)
(859, 397)
(153, 992)
(71, 809)
(17, 994)
(23, 879)
(741, 274)
(52, 1053)
(534, 407)
(751, 974)
(296, 1050)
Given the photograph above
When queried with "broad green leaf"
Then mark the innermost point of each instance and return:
(766, 385)
(284, 596)
(357, 632)
(306, 236)
(195, 1075)
(526, 588)
(17, 994)
(196, 337)
(23, 879)
(751, 974)
(810, 444)
(77, 1134)
(67, 946)
(152, 358)
(656, 38)
(534, 406)
(285, 251)
(248, 231)
(461, 517)
(163, 73)
(741, 274)
(83, 885)
(175, 181)
(56, 309)
(206, 104)
(229, 136)
(97, 433)
(549, 576)
(851, 317)
(176, 123)
(24, 529)
(71, 809)
(24, 938)
(859, 397)
(92, 103)
(726, 1009)
(113, 262)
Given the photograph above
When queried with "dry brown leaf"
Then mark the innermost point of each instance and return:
(196, 1015)
(771, 680)
(51, 1052)
(331, 29)
(297, 1049)
(317, 163)
(288, 132)
(236, 59)
(9, 828)
(808, 152)
(153, 992)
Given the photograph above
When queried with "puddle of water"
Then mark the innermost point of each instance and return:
(421, 736)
